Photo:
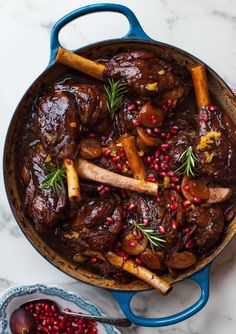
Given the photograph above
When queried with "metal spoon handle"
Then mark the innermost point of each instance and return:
(122, 322)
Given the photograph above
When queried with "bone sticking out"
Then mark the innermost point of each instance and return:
(142, 273)
(81, 64)
(89, 171)
(200, 86)
(72, 181)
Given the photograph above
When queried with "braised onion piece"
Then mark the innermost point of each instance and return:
(182, 260)
(132, 246)
(148, 140)
(151, 259)
(90, 148)
(150, 116)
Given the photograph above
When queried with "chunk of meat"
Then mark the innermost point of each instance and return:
(56, 123)
(140, 68)
(93, 226)
(123, 119)
(92, 104)
(151, 259)
(182, 260)
(44, 206)
(216, 157)
(210, 224)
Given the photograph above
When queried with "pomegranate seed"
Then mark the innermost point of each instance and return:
(110, 220)
(119, 166)
(163, 135)
(162, 174)
(170, 173)
(175, 224)
(173, 131)
(167, 158)
(153, 119)
(173, 198)
(164, 166)
(132, 243)
(138, 102)
(156, 167)
(137, 261)
(168, 135)
(197, 200)
(158, 200)
(186, 204)
(211, 108)
(149, 159)
(131, 107)
(178, 188)
(186, 229)
(121, 151)
(116, 158)
(175, 179)
(157, 130)
(172, 186)
(189, 244)
(100, 188)
(149, 132)
(165, 146)
(93, 260)
(136, 122)
(131, 206)
(145, 221)
(204, 117)
(120, 253)
(107, 189)
(186, 187)
(150, 179)
(126, 257)
(162, 229)
(139, 237)
(107, 153)
(173, 206)
(156, 160)
(157, 153)
(92, 135)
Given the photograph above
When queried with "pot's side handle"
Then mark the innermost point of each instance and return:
(135, 31)
(124, 299)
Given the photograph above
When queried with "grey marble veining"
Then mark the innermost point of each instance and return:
(204, 28)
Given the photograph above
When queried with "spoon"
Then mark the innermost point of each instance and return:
(122, 322)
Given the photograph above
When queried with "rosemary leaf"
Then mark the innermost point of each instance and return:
(115, 91)
(55, 178)
(188, 163)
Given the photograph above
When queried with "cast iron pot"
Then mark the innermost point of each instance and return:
(136, 38)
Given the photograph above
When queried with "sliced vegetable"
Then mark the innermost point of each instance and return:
(132, 246)
(148, 140)
(199, 189)
(150, 116)
(182, 260)
(219, 195)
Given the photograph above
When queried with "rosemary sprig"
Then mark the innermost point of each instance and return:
(156, 240)
(115, 91)
(188, 163)
(55, 177)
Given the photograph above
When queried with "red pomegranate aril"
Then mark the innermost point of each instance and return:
(186, 229)
(120, 253)
(164, 166)
(178, 188)
(186, 187)
(136, 122)
(163, 135)
(157, 153)
(156, 160)
(175, 224)
(126, 257)
(175, 179)
(156, 167)
(170, 173)
(100, 188)
(165, 146)
(174, 131)
(173, 198)
(186, 204)
(153, 119)
(197, 200)
(131, 107)
(162, 174)
(173, 206)
(168, 135)
(204, 117)
(167, 158)
(131, 207)
(162, 229)
(211, 108)
(138, 102)
(121, 151)
(92, 135)
(150, 179)
(116, 158)
(119, 166)
(132, 244)
(93, 260)
(110, 220)
(149, 159)
(149, 132)
(189, 244)
(145, 221)
(137, 261)
(139, 237)
(107, 189)
(107, 153)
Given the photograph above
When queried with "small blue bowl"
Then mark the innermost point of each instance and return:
(18, 295)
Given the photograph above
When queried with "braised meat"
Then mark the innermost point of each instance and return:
(56, 123)
(140, 68)
(43, 205)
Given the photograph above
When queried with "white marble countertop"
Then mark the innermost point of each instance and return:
(204, 28)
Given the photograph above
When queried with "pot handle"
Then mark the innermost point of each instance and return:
(135, 30)
(124, 299)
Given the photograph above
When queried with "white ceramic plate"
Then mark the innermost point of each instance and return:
(18, 295)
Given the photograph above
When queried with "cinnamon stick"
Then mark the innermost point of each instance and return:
(135, 161)
(89, 171)
(200, 86)
(144, 274)
(80, 63)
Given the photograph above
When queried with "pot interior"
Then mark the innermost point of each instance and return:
(219, 91)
